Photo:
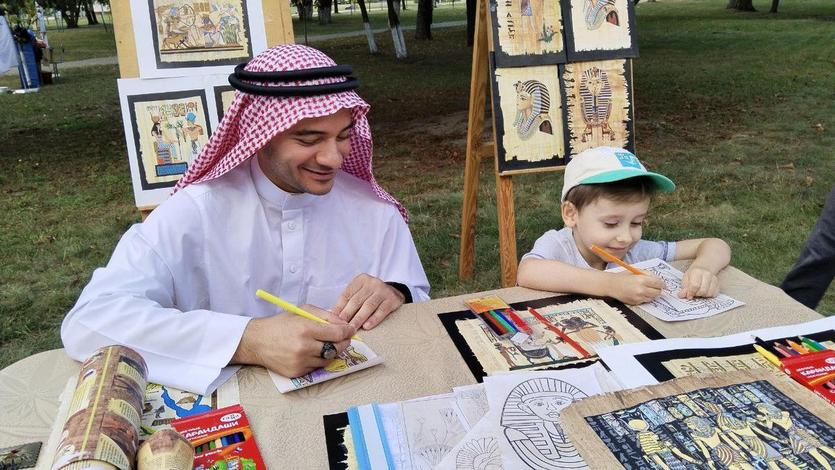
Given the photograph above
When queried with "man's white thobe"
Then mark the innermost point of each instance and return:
(180, 287)
(8, 48)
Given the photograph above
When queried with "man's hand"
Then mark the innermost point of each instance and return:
(367, 301)
(635, 289)
(698, 282)
(290, 345)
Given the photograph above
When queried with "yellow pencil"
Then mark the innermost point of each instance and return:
(768, 355)
(288, 307)
(614, 259)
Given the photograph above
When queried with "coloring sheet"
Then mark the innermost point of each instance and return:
(478, 450)
(472, 401)
(526, 409)
(740, 420)
(651, 362)
(432, 426)
(165, 404)
(357, 357)
(669, 307)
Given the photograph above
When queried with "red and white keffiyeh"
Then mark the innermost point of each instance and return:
(253, 120)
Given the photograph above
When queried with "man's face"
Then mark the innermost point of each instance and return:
(305, 158)
(547, 408)
(612, 225)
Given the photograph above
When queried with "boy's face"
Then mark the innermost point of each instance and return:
(612, 225)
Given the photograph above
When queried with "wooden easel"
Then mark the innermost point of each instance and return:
(278, 25)
(476, 149)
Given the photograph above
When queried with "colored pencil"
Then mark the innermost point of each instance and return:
(812, 344)
(493, 323)
(768, 355)
(783, 351)
(518, 321)
(614, 259)
(559, 332)
(504, 321)
(288, 307)
(797, 347)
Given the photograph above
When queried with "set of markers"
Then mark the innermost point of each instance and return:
(807, 361)
(222, 440)
(500, 318)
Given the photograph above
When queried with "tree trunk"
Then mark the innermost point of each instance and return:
(423, 27)
(396, 32)
(745, 5)
(308, 9)
(324, 11)
(336, 6)
(70, 14)
(774, 5)
(472, 9)
(366, 24)
(397, 5)
(299, 8)
(90, 13)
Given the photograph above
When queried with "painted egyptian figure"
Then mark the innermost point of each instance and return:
(532, 105)
(596, 97)
(716, 447)
(662, 453)
(800, 440)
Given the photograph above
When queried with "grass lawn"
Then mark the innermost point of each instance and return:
(736, 108)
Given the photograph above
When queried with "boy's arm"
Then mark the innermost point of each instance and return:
(556, 276)
(709, 256)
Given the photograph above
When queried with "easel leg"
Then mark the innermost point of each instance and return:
(507, 229)
(478, 94)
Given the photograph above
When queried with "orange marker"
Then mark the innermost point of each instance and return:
(614, 259)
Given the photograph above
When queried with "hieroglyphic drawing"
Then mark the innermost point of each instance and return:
(669, 307)
(432, 427)
(479, 454)
(744, 425)
(528, 117)
(598, 105)
(707, 365)
(472, 401)
(590, 324)
(169, 131)
(527, 32)
(600, 29)
(211, 32)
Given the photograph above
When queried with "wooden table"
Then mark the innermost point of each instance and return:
(420, 360)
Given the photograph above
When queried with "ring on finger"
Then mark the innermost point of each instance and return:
(328, 351)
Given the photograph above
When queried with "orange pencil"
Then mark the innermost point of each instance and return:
(614, 259)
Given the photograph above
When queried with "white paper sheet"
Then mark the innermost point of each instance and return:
(525, 414)
(668, 306)
(472, 401)
(630, 373)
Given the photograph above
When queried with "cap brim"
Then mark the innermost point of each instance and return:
(662, 183)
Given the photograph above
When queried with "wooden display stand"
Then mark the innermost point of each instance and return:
(278, 24)
(476, 149)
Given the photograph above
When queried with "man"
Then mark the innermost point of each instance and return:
(8, 48)
(304, 219)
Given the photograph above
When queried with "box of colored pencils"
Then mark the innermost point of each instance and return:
(222, 440)
(807, 361)
(502, 320)
(814, 370)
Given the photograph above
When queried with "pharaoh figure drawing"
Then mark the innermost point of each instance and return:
(596, 11)
(532, 105)
(596, 97)
(532, 425)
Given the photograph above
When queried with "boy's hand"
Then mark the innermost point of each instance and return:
(633, 289)
(698, 282)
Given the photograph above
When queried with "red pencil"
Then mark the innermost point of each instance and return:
(559, 332)
(518, 321)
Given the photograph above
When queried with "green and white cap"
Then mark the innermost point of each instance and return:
(608, 164)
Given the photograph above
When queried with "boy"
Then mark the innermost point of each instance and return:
(605, 200)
